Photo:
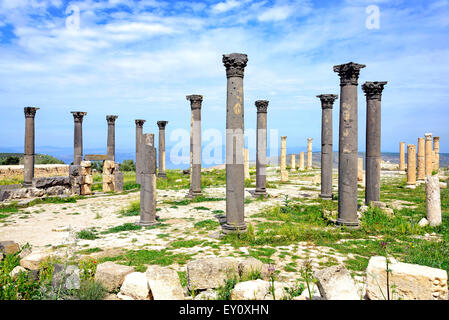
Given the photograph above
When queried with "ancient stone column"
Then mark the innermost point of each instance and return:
(148, 182)
(195, 145)
(235, 64)
(421, 160)
(246, 163)
(261, 142)
(401, 156)
(327, 102)
(139, 133)
(301, 161)
(284, 172)
(428, 154)
(78, 137)
(411, 164)
(28, 155)
(293, 163)
(433, 200)
(360, 172)
(309, 153)
(436, 149)
(111, 136)
(348, 144)
(373, 93)
(161, 125)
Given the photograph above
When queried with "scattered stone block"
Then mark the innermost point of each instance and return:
(15, 272)
(164, 283)
(210, 273)
(68, 278)
(423, 222)
(112, 275)
(251, 264)
(33, 260)
(258, 290)
(207, 295)
(135, 285)
(411, 281)
(335, 283)
(9, 247)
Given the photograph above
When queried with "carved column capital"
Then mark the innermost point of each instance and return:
(30, 112)
(327, 100)
(349, 73)
(235, 64)
(162, 124)
(373, 90)
(78, 115)
(428, 136)
(140, 122)
(262, 106)
(111, 119)
(195, 101)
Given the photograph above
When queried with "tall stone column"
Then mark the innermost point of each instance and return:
(436, 149)
(246, 163)
(195, 145)
(309, 153)
(28, 155)
(348, 144)
(411, 164)
(301, 161)
(261, 141)
(78, 137)
(148, 182)
(433, 200)
(373, 93)
(235, 64)
(111, 136)
(421, 160)
(327, 102)
(284, 172)
(401, 156)
(292, 162)
(139, 133)
(161, 125)
(428, 154)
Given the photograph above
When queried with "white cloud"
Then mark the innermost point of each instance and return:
(222, 7)
(275, 14)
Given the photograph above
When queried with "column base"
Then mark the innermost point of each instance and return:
(349, 224)
(162, 175)
(227, 228)
(27, 184)
(326, 196)
(259, 193)
(146, 224)
(192, 195)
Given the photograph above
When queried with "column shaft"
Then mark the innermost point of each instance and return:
(29, 149)
(411, 164)
(78, 137)
(261, 141)
(139, 133)
(428, 154)
(309, 153)
(195, 145)
(402, 156)
(421, 160)
(161, 125)
(111, 136)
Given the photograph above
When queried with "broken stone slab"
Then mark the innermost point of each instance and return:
(74, 170)
(251, 265)
(48, 182)
(164, 283)
(210, 273)
(34, 260)
(378, 204)
(135, 285)
(112, 275)
(66, 276)
(259, 290)
(411, 281)
(9, 247)
(335, 283)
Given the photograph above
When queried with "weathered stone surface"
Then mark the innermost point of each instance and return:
(9, 247)
(75, 170)
(15, 272)
(164, 283)
(40, 170)
(411, 281)
(112, 275)
(210, 272)
(251, 264)
(423, 222)
(433, 200)
(335, 283)
(135, 285)
(258, 290)
(50, 182)
(86, 189)
(67, 277)
(34, 260)
(207, 295)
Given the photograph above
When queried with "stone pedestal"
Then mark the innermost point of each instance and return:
(436, 149)
(348, 144)
(327, 103)
(195, 145)
(428, 154)
(28, 155)
(373, 93)
(148, 184)
(108, 176)
(284, 172)
(81, 178)
(235, 64)
(301, 161)
(402, 156)
(433, 201)
(411, 164)
(161, 125)
(139, 133)
(309, 153)
(261, 157)
(111, 136)
(421, 160)
(78, 137)
(246, 163)
(292, 163)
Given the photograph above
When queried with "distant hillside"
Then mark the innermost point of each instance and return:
(38, 158)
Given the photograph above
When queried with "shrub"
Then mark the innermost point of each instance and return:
(128, 165)
(91, 290)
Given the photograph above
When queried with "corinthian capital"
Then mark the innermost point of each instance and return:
(30, 112)
(78, 115)
(262, 106)
(162, 124)
(195, 101)
(140, 122)
(373, 90)
(235, 64)
(327, 100)
(111, 119)
(349, 73)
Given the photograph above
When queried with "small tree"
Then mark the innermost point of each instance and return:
(128, 165)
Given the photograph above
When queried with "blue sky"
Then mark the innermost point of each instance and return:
(139, 59)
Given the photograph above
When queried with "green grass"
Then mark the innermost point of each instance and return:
(123, 227)
(87, 234)
(132, 210)
(208, 224)
(185, 243)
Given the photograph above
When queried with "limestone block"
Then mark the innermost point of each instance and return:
(76, 189)
(284, 175)
(66, 276)
(50, 182)
(335, 283)
(108, 178)
(56, 190)
(118, 181)
(423, 222)
(108, 167)
(85, 171)
(9, 247)
(207, 295)
(15, 272)
(258, 290)
(33, 260)
(112, 275)
(210, 273)
(135, 285)
(86, 164)
(411, 281)
(108, 187)
(88, 179)
(164, 283)
(74, 170)
(86, 189)
(251, 264)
